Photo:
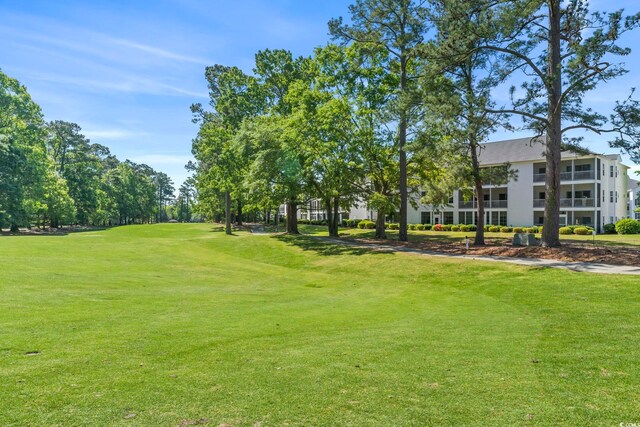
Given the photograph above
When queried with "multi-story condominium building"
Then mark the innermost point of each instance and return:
(634, 198)
(594, 189)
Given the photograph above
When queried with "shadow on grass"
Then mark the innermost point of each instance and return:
(325, 247)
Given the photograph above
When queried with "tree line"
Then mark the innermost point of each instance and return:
(52, 175)
(395, 110)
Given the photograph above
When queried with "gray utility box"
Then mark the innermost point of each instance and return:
(524, 239)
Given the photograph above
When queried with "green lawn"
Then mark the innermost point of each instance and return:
(169, 325)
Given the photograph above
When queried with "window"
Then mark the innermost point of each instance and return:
(611, 196)
(450, 202)
(542, 170)
(485, 197)
(499, 218)
(584, 220)
(541, 195)
(611, 171)
(502, 196)
(616, 197)
(425, 217)
(584, 194)
(568, 168)
(603, 197)
(448, 218)
(466, 218)
(583, 168)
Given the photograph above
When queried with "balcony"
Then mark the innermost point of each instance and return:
(568, 203)
(467, 205)
(580, 175)
(567, 176)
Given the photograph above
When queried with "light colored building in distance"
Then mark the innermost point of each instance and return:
(594, 190)
(634, 199)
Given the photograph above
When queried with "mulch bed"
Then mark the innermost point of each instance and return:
(568, 252)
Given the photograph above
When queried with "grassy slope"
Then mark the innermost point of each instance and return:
(176, 322)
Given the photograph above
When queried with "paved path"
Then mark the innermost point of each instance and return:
(585, 267)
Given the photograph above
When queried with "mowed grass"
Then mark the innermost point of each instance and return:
(168, 325)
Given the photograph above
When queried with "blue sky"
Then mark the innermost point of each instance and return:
(127, 71)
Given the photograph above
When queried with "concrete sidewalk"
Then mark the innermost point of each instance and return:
(585, 267)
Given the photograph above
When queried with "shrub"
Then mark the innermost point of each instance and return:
(366, 224)
(412, 226)
(518, 229)
(565, 230)
(531, 229)
(506, 229)
(610, 228)
(628, 226)
(494, 229)
(583, 231)
(455, 228)
(472, 227)
(446, 227)
(353, 222)
(420, 227)
(428, 226)
(437, 227)
(394, 226)
(464, 228)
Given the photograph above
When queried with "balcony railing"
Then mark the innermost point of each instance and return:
(583, 203)
(568, 203)
(493, 204)
(583, 175)
(467, 205)
(567, 176)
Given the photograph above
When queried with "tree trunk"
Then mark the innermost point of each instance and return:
(14, 228)
(550, 232)
(402, 140)
(336, 216)
(332, 215)
(239, 217)
(328, 206)
(292, 218)
(227, 212)
(380, 231)
(479, 240)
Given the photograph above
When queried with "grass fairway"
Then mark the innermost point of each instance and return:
(174, 324)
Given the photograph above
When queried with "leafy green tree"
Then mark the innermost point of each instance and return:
(398, 27)
(276, 71)
(79, 163)
(232, 100)
(562, 52)
(22, 153)
(457, 91)
(164, 194)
